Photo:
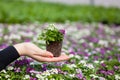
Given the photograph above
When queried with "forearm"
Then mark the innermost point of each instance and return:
(7, 56)
(11, 53)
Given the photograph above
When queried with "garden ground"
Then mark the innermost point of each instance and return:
(93, 48)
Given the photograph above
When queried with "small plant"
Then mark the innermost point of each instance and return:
(53, 38)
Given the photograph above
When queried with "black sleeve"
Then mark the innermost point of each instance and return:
(7, 56)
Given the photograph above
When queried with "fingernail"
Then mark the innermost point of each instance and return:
(51, 56)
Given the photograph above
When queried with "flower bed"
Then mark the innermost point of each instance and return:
(94, 51)
(42, 12)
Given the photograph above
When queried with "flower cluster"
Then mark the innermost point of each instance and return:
(51, 33)
(93, 48)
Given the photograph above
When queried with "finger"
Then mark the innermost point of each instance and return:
(62, 57)
(44, 53)
(54, 59)
(40, 58)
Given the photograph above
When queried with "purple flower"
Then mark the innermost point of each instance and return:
(102, 51)
(44, 67)
(110, 72)
(17, 69)
(86, 54)
(2, 46)
(96, 57)
(103, 72)
(85, 45)
(119, 59)
(95, 40)
(80, 75)
(58, 64)
(62, 31)
(22, 62)
(61, 72)
(109, 57)
(103, 64)
(116, 67)
(84, 78)
(29, 69)
(35, 72)
(31, 78)
(72, 52)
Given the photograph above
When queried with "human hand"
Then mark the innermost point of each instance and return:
(31, 50)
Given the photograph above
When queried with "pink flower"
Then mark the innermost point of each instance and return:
(62, 31)
(31, 78)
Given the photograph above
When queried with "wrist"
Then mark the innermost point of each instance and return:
(20, 49)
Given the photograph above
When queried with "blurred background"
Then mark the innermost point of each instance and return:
(92, 37)
(114, 3)
(60, 11)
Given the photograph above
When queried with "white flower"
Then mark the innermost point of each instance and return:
(102, 62)
(83, 62)
(113, 41)
(98, 49)
(118, 41)
(30, 34)
(39, 76)
(86, 50)
(4, 71)
(96, 62)
(117, 77)
(85, 57)
(108, 30)
(55, 71)
(71, 55)
(6, 37)
(81, 40)
(46, 73)
(90, 66)
(14, 36)
(27, 77)
(78, 70)
(10, 68)
(46, 79)
(108, 51)
(1, 30)
(91, 44)
(81, 33)
(7, 76)
(52, 79)
(94, 76)
(94, 52)
(101, 78)
(71, 66)
(72, 75)
(103, 42)
(77, 56)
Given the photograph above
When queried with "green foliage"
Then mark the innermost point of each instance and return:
(51, 34)
(112, 63)
(51, 12)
